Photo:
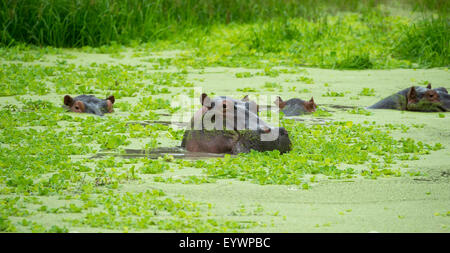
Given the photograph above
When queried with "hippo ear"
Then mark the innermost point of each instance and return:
(279, 102)
(412, 95)
(429, 86)
(205, 100)
(68, 100)
(311, 105)
(245, 99)
(112, 99)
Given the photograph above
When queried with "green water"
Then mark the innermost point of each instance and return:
(399, 204)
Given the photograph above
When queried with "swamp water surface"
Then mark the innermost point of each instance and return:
(418, 200)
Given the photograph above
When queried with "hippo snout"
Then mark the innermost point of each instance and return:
(283, 131)
(275, 139)
(284, 143)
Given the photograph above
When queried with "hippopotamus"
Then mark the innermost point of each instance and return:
(416, 98)
(223, 102)
(295, 106)
(227, 125)
(89, 104)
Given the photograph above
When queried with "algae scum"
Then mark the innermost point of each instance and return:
(66, 172)
(351, 169)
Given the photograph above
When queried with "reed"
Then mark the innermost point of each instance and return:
(426, 43)
(275, 26)
(74, 23)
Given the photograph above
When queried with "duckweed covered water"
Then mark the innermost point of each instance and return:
(351, 169)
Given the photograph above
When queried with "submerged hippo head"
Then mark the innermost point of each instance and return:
(295, 106)
(89, 104)
(227, 125)
(416, 98)
(426, 99)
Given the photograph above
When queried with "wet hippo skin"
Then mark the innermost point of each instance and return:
(89, 104)
(226, 125)
(296, 106)
(416, 98)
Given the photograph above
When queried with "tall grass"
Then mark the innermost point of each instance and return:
(65, 23)
(426, 43)
(299, 28)
(73, 23)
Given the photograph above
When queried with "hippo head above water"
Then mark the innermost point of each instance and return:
(416, 98)
(227, 125)
(427, 99)
(295, 106)
(89, 104)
